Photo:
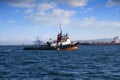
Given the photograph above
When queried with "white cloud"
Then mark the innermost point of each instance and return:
(55, 16)
(27, 11)
(16, 1)
(11, 21)
(62, 13)
(50, 15)
(88, 10)
(19, 40)
(73, 3)
(108, 24)
(93, 22)
(113, 3)
(27, 5)
(88, 21)
(31, 3)
(77, 3)
(44, 13)
(20, 3)
(23, 5)
(16, 11)
(11, 40)
(46, 6)
(45, 37)
(117, 9)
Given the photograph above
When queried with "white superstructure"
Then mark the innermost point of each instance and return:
(116, 39)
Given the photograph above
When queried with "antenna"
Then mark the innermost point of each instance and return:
(60, 28)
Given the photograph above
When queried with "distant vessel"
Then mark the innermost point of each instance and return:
(62, 43)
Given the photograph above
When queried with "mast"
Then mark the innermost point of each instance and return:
(59, 37)
(60, 28)
(60, 33)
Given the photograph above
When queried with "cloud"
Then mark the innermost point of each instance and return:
(88, 21)
(93, 22)
(43, 12)
(45, 37)
(46, 6)
(27, 11)
(108, 24)
(49, 14)
(113, 3)
(32, 3)
(117, 9)
(11, 21)
(16, 1)
(11, 40)
(5, 40)
(22, 5)
(73, 3)
(88, 10)
(19, 3)
(55, 16)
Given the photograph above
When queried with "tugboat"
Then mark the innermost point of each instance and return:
(62, 43)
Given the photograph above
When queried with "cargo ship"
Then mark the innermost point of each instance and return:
(62, 42)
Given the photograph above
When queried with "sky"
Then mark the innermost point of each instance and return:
(21, 21)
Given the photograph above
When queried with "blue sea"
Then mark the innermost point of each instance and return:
(89, 62)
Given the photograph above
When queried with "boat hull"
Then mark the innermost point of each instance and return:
(63, 47)
(70, 48)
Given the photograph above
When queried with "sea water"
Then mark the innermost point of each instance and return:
(89, 62)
